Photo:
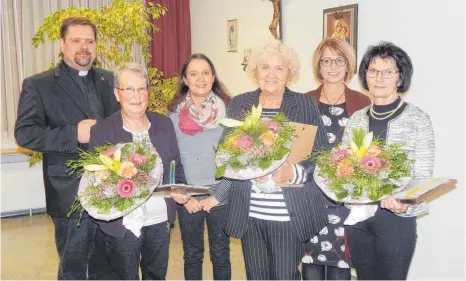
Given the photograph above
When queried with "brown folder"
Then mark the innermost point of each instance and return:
(302, 145)
(426, 190)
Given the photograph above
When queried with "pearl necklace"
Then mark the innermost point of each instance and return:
(390, 113)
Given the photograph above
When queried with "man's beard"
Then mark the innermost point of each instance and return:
(83, 58)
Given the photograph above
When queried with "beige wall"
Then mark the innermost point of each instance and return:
(432, 32)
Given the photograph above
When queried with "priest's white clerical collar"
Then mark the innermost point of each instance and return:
(83, 72)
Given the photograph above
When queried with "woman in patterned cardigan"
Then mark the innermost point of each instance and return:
(382, 241)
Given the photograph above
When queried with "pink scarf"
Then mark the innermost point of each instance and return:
(193, 121)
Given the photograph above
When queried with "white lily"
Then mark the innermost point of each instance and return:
(231, 122)
(361, 151)
(117, 154)
(249, 122)
(368, 140)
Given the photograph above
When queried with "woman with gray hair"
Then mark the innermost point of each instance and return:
(131, 242)
(272, 225)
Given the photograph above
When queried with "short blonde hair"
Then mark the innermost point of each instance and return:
(274, 47)
(339, 47)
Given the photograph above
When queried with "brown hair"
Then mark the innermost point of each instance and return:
(217, 87)
(76, 21)
(339, 47)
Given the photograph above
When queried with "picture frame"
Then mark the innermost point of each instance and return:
(232, 35)
(342, 22)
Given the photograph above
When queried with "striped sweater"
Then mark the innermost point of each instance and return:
(272, 206)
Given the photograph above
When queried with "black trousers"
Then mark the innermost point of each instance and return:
(149, 250)
(81, 250)
(382, 246)
(271, 251)
(323, 272)
(192, 234)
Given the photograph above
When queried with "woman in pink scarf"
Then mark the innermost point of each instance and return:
(197, 107)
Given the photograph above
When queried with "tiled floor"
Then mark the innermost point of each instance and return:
(28, 251)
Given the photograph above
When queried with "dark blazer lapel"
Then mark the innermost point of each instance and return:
(249, 101)
(289, 104)
(103, 87)
(100, 81)
(121, 134)
(68, 86)
(156, 132)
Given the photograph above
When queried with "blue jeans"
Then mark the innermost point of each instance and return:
(81, 250)
(149, 250)
(192, 234)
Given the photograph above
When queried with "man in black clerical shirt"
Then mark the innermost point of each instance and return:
(56, 111)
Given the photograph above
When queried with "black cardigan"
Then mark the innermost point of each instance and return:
(163, 137)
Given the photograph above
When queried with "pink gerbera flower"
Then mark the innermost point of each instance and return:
(137, 158)
(109, 152)
(273, 125)
(371, 164)
(125, 188)
(339, 155)
(245, 142)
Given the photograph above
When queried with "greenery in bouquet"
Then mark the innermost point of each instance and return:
(367, 167)
(254, 142)
(119, 176)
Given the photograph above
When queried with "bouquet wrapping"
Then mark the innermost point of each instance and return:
(254, 147)
(116, 179)
(366, 171)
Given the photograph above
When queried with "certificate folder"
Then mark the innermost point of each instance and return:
(166, 189)
(301, 148)
(425, 190)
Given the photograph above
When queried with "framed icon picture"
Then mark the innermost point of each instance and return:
(342, 22)
(232, 35)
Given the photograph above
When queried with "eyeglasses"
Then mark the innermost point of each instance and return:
(386, 74)
(130, 91)
(328, 61)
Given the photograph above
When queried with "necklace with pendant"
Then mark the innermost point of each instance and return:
(334, 110)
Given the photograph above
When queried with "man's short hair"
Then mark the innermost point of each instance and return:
(76, 21)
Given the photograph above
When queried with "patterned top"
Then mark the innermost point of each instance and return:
(155, 208)
(334, 118)
(328, 246)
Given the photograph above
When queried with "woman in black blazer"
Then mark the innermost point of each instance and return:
(148, 246)
(272, 226)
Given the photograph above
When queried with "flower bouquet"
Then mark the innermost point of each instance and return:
(254, 147)
(365, 172)
(116, 179)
